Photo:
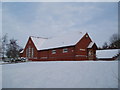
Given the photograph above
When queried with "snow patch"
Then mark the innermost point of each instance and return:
(110, 53)
(0, 77)
(61, 74)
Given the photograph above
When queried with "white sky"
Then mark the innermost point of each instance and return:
(21, 20)
(0, 19)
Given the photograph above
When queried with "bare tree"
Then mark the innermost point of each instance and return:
(4, 45)
(114, 38)
(115, 41)
(13, 49)
(105, 46)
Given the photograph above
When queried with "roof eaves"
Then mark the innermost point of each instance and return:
(56, 48)
(91, 45)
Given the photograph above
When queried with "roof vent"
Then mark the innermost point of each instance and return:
(38, 37)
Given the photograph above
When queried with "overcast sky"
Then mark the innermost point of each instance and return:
(21, 20)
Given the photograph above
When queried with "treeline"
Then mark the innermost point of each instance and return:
(9, 48)
(114, 43)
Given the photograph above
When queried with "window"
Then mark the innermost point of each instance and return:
(53, 51)
(86, 36)
(82, 49)
(32, 53)
(26, 52)
(29, 52)
(65, 50)
(90, 53)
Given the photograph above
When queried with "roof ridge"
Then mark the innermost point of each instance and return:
(38, 37)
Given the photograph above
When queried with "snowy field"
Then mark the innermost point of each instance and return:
(61, 74)
(0, 76)
(1, 62)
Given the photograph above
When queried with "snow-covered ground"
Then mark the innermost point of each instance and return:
(0, 77)
(61, 74)
(1, 62)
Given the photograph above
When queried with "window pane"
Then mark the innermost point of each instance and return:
(53, 51)
(65, 50)
(32, 52)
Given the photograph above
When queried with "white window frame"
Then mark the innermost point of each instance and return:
(82, 49)
(32, 53)
(65, 50)
(53, 51)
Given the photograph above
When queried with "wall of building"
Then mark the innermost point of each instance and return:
(92, 55)
(77, 52)
(59, 55)
(81, 51)
(43, 55)
(30, 44)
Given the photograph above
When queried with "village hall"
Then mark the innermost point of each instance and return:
(75, 46)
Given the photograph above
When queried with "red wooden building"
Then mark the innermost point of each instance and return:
(66, 47)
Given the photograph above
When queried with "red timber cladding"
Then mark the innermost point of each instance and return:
(81, 51)
(43, 55)
(93, 56)
(47, 55)
(31, 44)
(62, 56)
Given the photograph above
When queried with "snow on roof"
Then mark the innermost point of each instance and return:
(110, 53)
(90, 45)
(38, 41)
(21, 51)
(66, 39)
